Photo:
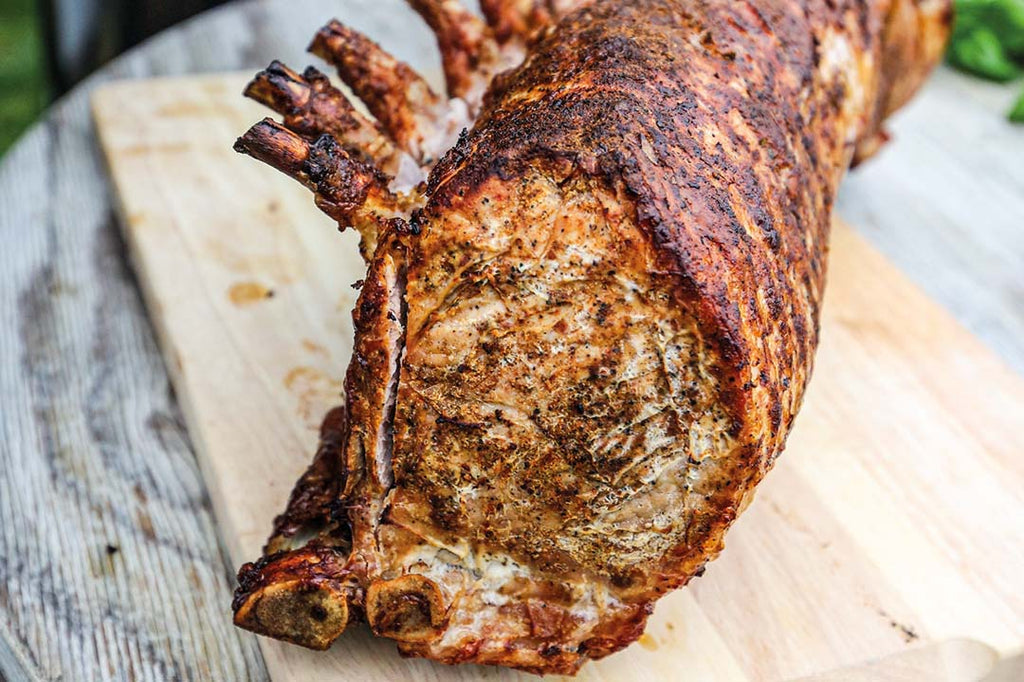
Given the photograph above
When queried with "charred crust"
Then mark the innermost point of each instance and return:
(312, 506)
(340, 179)
(280, 88)
(310, 105)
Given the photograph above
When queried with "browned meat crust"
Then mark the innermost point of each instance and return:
(582, 347)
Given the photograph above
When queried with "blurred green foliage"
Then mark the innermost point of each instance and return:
(988, 41)
(23, 83)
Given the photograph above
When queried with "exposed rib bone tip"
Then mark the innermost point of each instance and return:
(333, 29)
(312, 616)
(279, 88)
(294, 596)
(406, 609)
(464, 40)
(398, 97)
(311, 106)
(275, 145)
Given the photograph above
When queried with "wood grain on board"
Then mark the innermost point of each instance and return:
(891, 522)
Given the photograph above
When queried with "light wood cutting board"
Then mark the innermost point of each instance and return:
(894, 521)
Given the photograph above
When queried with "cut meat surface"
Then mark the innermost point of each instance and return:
(582, 342)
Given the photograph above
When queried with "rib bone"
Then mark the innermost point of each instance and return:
(311, 106)
(301, 597)
(519, 20)
(464, 42)
(408, 109)
(514, 19)
(351, 191)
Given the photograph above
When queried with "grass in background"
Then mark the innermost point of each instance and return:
(23, 83)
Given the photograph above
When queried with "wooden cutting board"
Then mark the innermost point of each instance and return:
(893, 522)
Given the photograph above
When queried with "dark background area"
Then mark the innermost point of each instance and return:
(46, 46)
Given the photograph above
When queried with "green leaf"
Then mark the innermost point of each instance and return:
(1016, 114)
(981, 53)
(1005, 18)
(1011, 27)
(22, 77)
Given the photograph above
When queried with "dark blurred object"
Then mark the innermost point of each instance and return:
(81, 35)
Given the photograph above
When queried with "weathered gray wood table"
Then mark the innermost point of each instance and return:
(110, 565)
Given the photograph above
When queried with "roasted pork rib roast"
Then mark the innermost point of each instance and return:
(590, 310)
